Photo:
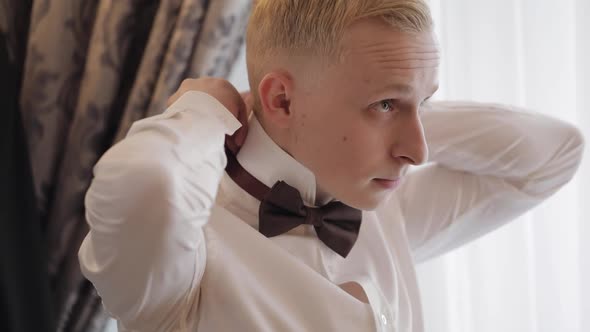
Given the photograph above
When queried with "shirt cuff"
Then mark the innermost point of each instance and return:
(199, 101)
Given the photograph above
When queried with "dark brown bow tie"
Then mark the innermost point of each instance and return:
(282, 209)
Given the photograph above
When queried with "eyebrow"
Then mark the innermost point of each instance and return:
(400, 87)
(407, 89)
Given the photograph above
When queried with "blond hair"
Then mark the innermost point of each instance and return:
(315, 27)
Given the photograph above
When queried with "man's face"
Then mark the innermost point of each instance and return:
(357, 124)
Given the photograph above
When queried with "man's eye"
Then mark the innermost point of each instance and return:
(384, 106)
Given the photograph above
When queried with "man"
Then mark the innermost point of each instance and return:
(317, 223)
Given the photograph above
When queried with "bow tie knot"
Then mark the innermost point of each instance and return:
(336, 224)
(282, 209)
(313, 216)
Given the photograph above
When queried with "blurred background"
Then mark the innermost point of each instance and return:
(75, 74)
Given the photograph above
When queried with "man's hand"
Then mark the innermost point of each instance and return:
(239, 105)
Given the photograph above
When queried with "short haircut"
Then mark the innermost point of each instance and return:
(315, 27)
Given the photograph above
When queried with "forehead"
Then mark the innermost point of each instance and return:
(374, 49)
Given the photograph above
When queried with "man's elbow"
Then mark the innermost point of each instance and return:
(562, 167)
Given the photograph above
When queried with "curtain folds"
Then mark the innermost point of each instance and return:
(89, 70)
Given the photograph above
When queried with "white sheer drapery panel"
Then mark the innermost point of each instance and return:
(532, 274)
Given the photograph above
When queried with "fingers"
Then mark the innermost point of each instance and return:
(249, 102)
(239, 104)
(245, 94)
(172, 99)
(240, 134)
(231, 144)
(181, 89)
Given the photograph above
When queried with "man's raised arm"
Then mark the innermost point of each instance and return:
(150, 196)
(491, 163)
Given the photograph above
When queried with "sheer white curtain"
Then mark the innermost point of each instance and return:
(532, 274)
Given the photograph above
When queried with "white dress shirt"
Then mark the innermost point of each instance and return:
(173, 242)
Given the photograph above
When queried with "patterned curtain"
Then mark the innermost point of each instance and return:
(91, 68)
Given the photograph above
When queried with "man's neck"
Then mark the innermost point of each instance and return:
(266, 156)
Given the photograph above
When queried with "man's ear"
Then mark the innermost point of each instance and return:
(275, 91)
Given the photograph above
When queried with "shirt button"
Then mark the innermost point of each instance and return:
(383, 319)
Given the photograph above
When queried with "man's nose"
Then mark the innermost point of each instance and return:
(411, 144)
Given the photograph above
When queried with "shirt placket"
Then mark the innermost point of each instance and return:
(385, 319)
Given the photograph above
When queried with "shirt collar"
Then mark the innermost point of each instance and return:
(269, 163)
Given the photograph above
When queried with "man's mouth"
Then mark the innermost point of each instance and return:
(389, 184)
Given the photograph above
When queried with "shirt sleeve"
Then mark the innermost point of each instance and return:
(150, 197)
(489, 164)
